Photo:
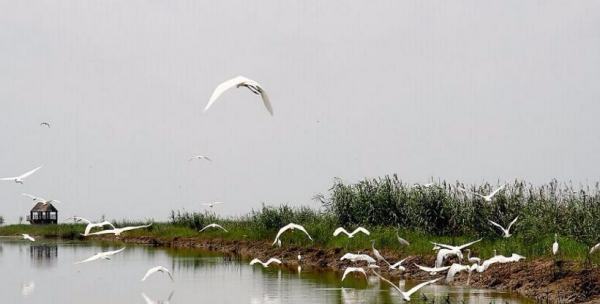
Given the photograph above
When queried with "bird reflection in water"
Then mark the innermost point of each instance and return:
(151, 301)
(27, 288)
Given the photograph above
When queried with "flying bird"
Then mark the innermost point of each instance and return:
(156, 269)
(45, 124)
(200, 157)
(19, 179)
(351, 235)
(353, 269)
(406, 294)
(28, 237)
(456, 249)
(358, 257)
(213, 225)
(505, 232)
(40, 199)
(434, 270)
(445, 253)
(455, 269)
(290, 226)
(487, 198)
(240, 81)
(101, 255)
(265, 265)
(118, 231)
(91, 225)
(555, 245)
(212, 204)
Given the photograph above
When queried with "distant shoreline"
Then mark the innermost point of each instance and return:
(534, 279)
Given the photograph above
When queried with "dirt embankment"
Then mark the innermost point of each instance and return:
(541, 280)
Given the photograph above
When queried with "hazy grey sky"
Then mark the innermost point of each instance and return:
(470, 90)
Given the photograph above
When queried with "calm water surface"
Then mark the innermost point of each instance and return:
(43, 272)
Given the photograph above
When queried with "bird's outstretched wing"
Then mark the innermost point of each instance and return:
(496, 224)
(361, 229)
(33, 197)
(496, 191)
(266, 101)
(461, 247)
(388, 281)
(340, 230)
(114, 252)
(273, 260)
(8, 178)
(594, 248)
(303, 230)
(135, 227)
(92, 258)
(29, 172)
(414, 289)
(511, 223)
(224, 86)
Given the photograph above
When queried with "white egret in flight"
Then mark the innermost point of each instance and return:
(28, 237)
(406, 294)
(156, 269)
(350, 235)
(118, 231)
(101, 255)
(398, 265)
(353, 269)
(265, 264)
(40, 199)
(433, 270)
(487, 198)
(45, 124)
(240, 81)
(212, 204)
(20, 179)
(358, 257)
(213, 225)
(454, 270)
(505, 231)
(290, 226)
(200, 157)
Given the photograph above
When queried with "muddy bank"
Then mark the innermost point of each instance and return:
(540, 280)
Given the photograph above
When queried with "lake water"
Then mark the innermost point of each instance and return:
(43, 272)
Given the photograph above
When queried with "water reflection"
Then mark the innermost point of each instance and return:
(43, 255)
(151, 301)
(27, 288)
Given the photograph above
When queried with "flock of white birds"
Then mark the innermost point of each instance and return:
(444, 251)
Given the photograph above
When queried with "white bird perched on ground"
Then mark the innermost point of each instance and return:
(555, 245)
(240, 81)
(156, 269)
(455, 269)
(434, 270)
(101, 255)
(505, 232)
(265, 265)
(213, 225)
(20, 179)
(212, 204)
(200, 157)
(398, 265)
(118, 231)
(28, 237)
(401, 240)
(471, 259)
(358, 257)
(595, 248)
(378, 255)
(487, 198)
(39, 199)
(350, 235)
(406, 295)
(353, 269)
(290, 226)
(45, 124)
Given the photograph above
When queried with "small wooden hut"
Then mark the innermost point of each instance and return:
(43, 213)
